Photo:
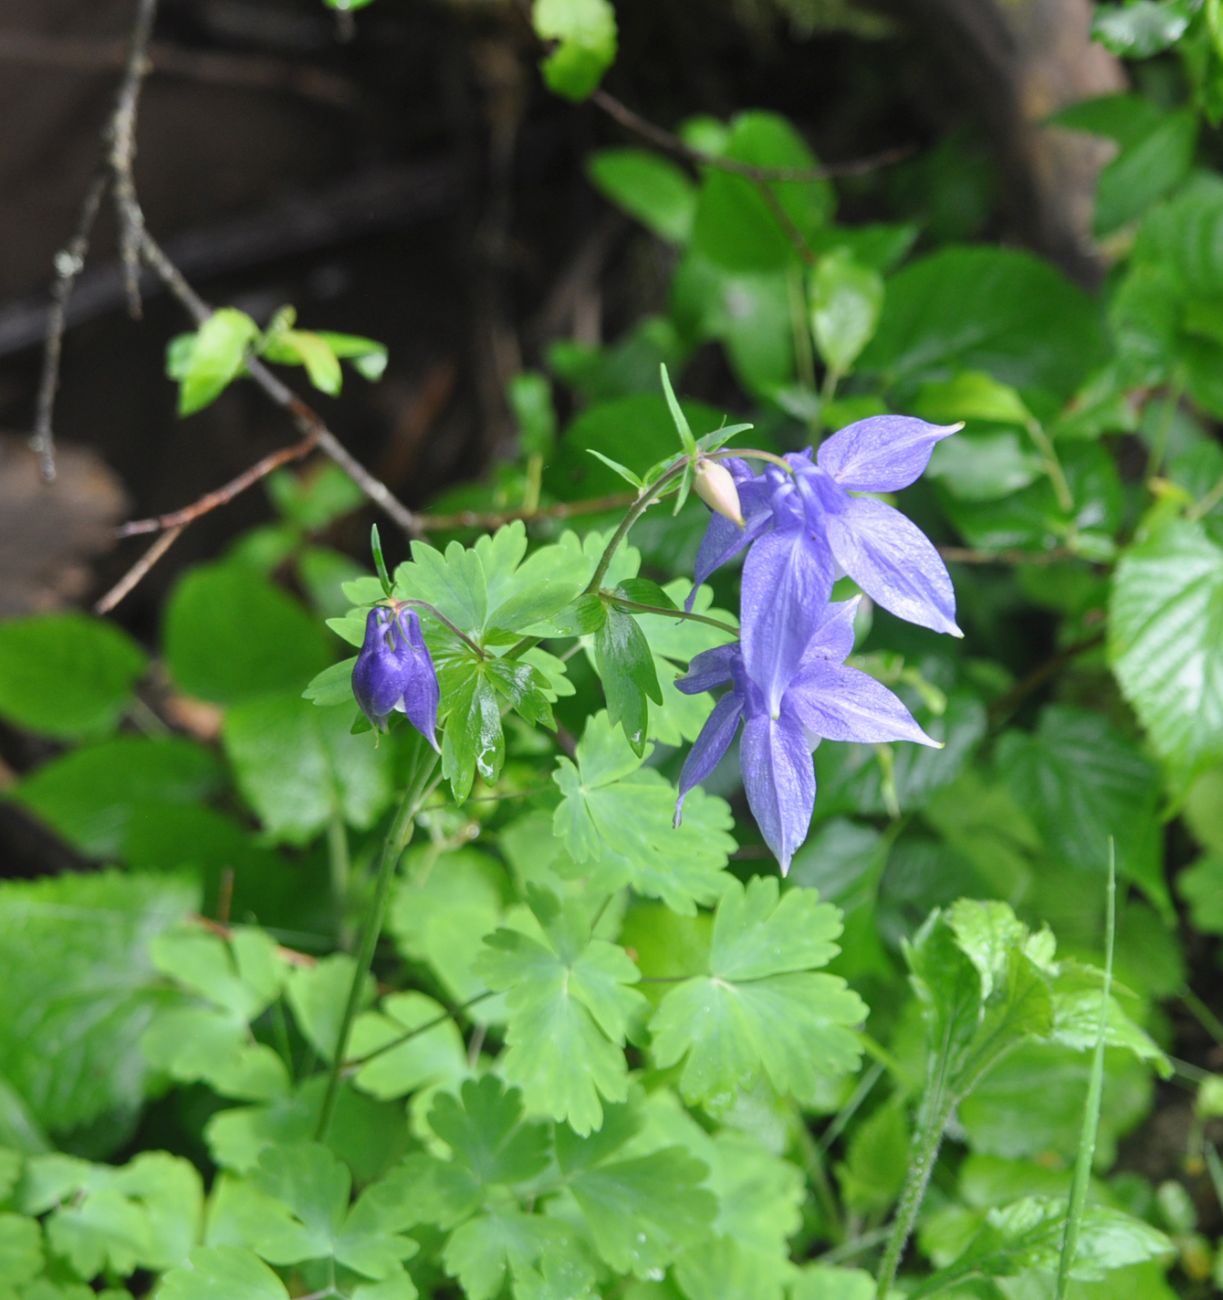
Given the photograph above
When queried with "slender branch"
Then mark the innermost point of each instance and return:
(672, 144)
(121, 133)
(497, 518)
(1008, 702)
(139, 571)
(308, 421)
(972, 555)
(220, 496)
(69, 262)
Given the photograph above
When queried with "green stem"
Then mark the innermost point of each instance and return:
(351, 1067)
(638, 608)
(1159, 443)
(935, 1114)
(1206, 504)
(340, 865)
(1053, 466)
(436, 613)
(815, 1161)
(397, 837)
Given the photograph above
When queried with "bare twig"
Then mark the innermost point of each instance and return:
(69, 262)
(496, 518)
(1014, 557)
(139, 570)
(220, 496)
(122, 139)
(672, 144)
(1006, 704)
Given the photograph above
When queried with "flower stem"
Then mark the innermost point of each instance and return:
(932, 1123)
(397, 838)
(436, 613)
(638, 608)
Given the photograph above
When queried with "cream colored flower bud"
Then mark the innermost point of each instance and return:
(716, 487)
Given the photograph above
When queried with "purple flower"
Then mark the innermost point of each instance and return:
(394, 672)
(828, 531)
(787, 703)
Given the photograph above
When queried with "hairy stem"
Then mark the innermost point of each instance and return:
(397, 838)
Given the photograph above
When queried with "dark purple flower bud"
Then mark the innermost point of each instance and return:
(394, 672)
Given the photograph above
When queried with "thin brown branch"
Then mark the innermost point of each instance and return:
(1007, 703)
(672, 144)
(308, 421)
(69, 262)
(972, 555)
(496, 518)
(121, 134)
(138, 571)
(221, 496)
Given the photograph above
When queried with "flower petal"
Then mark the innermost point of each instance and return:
(709, 747)
(893, 561)
(833, 639)
(779, 778)
(835, 702)
(421, 693)
(882, 454)
(709, 669)
(786, 582)
(377, 676)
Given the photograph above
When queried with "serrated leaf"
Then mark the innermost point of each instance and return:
(615, 819)
(318, 996)
(484, 1128)
(570, 1006)
(222, 1273)
(217, 356)
(66, 675)
(473, 739)
(759, 1008)
(1166, 640)
(333, 686)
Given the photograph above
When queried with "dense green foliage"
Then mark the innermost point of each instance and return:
(596, 1054)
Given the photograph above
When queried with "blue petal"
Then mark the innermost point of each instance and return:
(709, 670)
(709, 747)
(894, 562)
(882, 454)
(421, 693)
(786, 582)
(835, 702)
(834, 637)
(378, 674)
(779, 778)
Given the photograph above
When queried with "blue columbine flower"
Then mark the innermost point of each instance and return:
(394, 672)
(787, 703)
(820, 530)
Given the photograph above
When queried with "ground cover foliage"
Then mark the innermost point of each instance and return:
(335, 1016)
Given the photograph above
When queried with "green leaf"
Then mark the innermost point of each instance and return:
(21, 1256)
(1166, 640)
(231, 634)
(1140, 28)
(473, 740)
(1081, 781)
(417, 1042)
(876, 1159)
(615, 820)
(647, 186)
(303, 348)
(484, 1129)
(585, 32)
(759, 1008)
(614, 465)
(825, 1282)
(1027, 1235)
(74, 950)
(217, 357)
(626, 668)
(1185, 235)
(66, 675)
(640, 1210)
(318, 995)
(734, 227)
(845, 299)
(299, 766)
(96, 796)
(570, 1006)
(485, 1248)
(997, 310)
(314, 498)
(333, 686)
(530, 397)
(1201, 886)
(222, 1273)
(366, 356)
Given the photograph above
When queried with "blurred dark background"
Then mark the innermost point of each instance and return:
(403, 173)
